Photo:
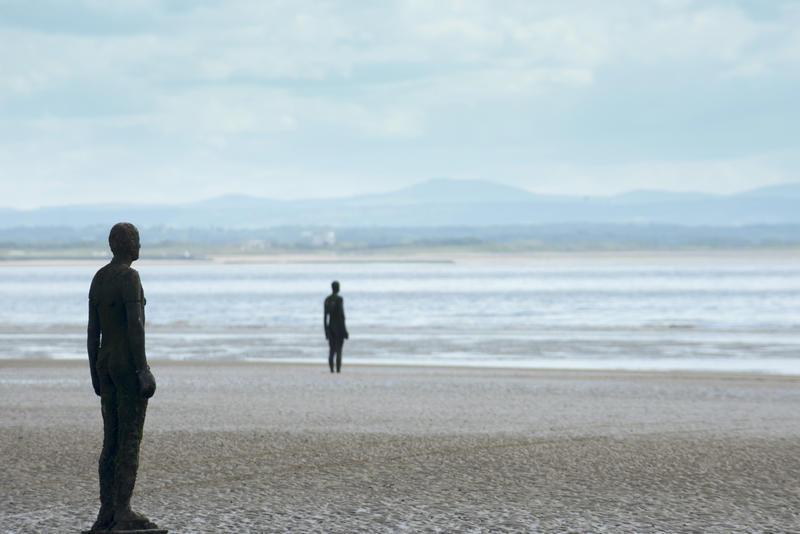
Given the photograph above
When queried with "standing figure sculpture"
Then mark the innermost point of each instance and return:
(121, 378)
(335, 329)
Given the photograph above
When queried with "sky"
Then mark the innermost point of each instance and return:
(169, 102)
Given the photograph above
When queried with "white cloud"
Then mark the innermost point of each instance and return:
(152, 86)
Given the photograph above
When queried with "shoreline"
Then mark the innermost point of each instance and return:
(519, 372)
(446, 257)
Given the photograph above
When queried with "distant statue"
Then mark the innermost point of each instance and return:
(121, 378)
(335, 329)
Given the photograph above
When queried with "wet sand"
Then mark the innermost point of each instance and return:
(239, 447)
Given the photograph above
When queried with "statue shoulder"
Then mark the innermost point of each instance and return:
(101, 274)
(131, 286)
(97, 280)
(131, 274)
(332, 301)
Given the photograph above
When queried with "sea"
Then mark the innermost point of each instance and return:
(717, 313)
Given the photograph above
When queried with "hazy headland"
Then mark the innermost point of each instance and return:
(439, 218)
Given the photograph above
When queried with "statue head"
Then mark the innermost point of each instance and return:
(335, 286)
(124, 241)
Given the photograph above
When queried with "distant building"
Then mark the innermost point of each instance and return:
(255, 245)
(320, 238)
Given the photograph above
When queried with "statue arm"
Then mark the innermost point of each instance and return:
(134, 310)
(344, 325)
(325, 316)
(93, 345)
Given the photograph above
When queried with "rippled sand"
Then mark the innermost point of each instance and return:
(290, 448)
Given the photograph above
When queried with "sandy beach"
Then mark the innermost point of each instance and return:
(253, 447)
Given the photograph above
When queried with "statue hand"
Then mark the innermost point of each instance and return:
(147, 383)
(96, 383)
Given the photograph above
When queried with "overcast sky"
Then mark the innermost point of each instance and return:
(156, 101)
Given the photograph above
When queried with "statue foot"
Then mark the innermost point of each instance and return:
(105, 518)
(130, 520)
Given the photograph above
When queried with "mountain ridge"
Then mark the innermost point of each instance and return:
(438, 202)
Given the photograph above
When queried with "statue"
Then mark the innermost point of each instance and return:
(121, 378)
(335, 329)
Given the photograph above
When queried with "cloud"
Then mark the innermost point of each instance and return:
(250, 88)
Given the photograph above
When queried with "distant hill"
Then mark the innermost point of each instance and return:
(444, 190)
(438, 203)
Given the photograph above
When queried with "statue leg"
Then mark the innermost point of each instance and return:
(131, 412)
(339, 355)
(108, 403)
(331, 353)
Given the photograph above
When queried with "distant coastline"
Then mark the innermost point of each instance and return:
(318, 243)
(428, 256)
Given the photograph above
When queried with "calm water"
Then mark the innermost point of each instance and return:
(717, 314)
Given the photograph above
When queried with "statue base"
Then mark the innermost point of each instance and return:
(141, 531)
